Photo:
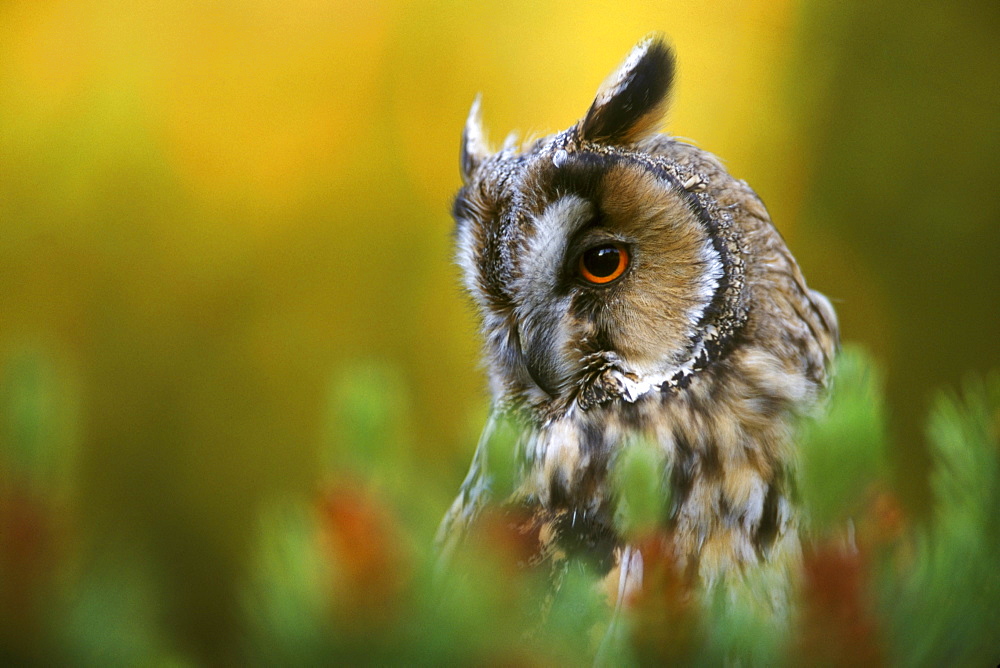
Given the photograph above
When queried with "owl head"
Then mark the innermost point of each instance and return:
(608, 261)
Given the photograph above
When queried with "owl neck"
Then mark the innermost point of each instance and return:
(725, 438)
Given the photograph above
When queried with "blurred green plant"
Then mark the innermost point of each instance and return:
(37, 456)
(349, 574)
(843, 453)
(936, 586)
(639, 478)
(946, 610)
(38, 421)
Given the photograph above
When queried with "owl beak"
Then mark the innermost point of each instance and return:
(540, 351)
(541, 379)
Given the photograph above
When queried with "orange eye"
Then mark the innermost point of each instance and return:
(603, 264)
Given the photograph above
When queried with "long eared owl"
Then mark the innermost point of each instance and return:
(629, 286)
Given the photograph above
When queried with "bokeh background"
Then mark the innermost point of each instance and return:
(213, 214)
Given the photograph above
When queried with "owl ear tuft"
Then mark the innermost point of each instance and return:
(475, 148)
(632, 101)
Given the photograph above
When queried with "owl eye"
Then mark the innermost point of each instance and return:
(604, 263)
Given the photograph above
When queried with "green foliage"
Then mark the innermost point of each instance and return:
(945, 611)
(287, 605)
(115, 618)
(639, 480)
(368, 420)
(38, 415)
(501, 441)
(843, 451)
(740, 626)
(349, 575)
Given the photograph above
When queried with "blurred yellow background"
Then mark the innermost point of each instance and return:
(208, 209)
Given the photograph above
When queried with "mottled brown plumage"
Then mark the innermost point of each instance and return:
(709, 345)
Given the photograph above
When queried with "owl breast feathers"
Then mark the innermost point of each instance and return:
(628, 286)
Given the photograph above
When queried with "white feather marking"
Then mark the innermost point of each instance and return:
(552, 229)
(476, 144)
(708, 282)
(754, 504)
(643, 381)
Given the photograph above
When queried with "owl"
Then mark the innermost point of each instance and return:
(629, 288)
